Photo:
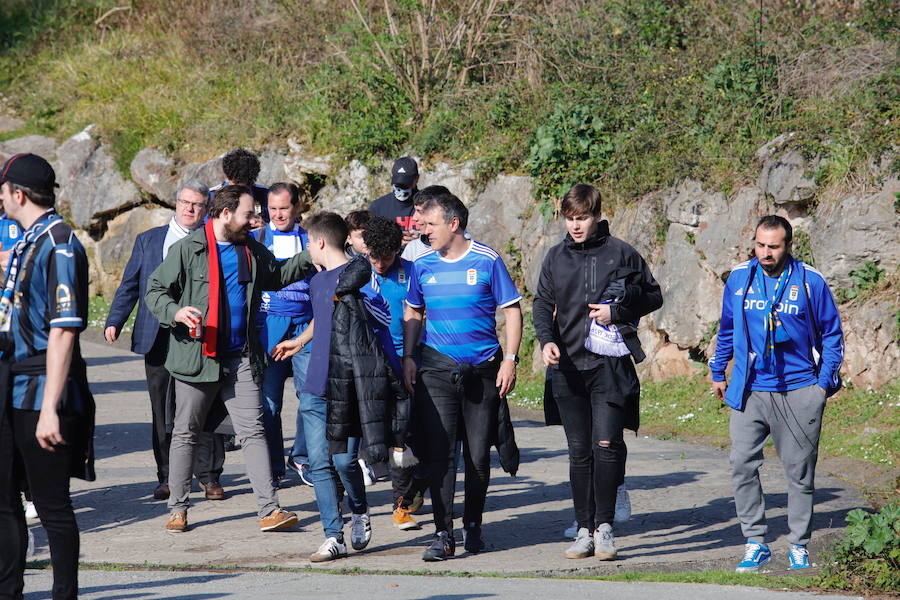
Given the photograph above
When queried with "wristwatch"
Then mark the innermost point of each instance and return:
(512, 357)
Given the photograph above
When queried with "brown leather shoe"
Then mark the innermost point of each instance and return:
(214, 490)
(278, 519)
(161, 492)
(177, 523)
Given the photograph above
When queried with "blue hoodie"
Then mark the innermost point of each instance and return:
(814, 352)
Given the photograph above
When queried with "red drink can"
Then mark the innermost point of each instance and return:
(195, 331)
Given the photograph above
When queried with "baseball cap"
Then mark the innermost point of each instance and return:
(404, 172)
(29, 170)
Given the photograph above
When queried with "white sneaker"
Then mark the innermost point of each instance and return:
(360, 531)
(368, 473)
(572, 532)
(331, 549)
(30, 511)
(604, 543)
(623, 505)
(583, 546)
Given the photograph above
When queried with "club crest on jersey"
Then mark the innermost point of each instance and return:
(471, 277)
(13, 231)
(63, 298)
(401, 276)
(794, 292)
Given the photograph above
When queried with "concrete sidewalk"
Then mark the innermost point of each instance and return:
(683, 512)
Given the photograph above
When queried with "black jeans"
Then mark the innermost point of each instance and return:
(447, 408)
(590, 415)
(47, 474)
(209, 459)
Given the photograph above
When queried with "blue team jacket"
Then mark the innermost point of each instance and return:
(821, 333)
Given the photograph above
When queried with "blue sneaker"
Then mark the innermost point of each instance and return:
(755, 556)
(799, 557)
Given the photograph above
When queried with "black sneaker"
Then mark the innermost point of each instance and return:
(472, 541)
(442, 547)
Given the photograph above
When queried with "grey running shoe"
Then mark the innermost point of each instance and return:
(360, 531)
(623, 505)
(442, 547)
(583, 546)
(605, 543)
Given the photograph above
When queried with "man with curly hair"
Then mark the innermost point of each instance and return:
(241, 167)
(383, 240)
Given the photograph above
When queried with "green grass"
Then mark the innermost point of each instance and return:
(98, 309)
(798, 582)
(858, 424)
(630, 96)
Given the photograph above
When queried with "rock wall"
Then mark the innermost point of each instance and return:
(691, 235)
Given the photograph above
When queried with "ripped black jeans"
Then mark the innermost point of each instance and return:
(590, 415)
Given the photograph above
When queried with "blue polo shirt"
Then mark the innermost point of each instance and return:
(461, 297)
(51, 291)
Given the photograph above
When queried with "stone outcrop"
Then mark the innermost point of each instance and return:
(871, 348)
(113, 251)
(692, 291)
(859, 228)
(690, 235)
(91, 188)
(36, 144)
(155, 174)
(788, 178)
(497, 212)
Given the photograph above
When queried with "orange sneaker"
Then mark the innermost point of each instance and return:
(402, 520)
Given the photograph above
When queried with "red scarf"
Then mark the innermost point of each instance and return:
(211, 332)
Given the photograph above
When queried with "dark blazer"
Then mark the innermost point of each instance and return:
(145, 257)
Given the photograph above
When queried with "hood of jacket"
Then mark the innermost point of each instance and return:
(357, 273)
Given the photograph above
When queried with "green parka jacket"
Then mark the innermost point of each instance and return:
(183, 280)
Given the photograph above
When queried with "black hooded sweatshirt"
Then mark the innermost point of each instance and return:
(575, 275)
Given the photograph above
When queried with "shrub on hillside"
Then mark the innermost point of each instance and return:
(868, 558)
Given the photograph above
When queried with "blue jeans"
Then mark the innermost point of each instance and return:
(325, 468)
(273, 399)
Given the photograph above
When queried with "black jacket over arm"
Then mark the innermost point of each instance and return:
(574, 275)
(365, 395)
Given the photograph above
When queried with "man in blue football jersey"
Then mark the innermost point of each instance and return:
(383, 240)
(782, 327)
(464, 375)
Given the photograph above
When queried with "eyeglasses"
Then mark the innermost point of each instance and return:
(192, 205)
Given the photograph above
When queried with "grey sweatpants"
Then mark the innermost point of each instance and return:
(242, 400)
(794, 420)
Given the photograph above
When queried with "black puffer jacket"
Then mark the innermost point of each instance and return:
(365, 395)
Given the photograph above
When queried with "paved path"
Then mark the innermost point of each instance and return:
(156, 585)
(683, 511)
